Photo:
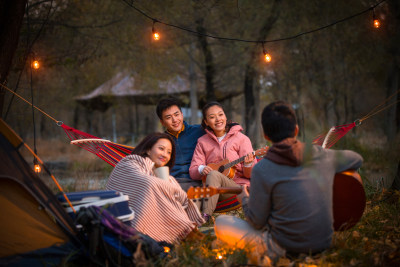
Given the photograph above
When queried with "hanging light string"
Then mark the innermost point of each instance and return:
(130, 4)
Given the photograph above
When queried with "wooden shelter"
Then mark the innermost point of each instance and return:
(125, 86)
(128, 89)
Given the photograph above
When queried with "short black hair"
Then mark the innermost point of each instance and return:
(165, 104)
(279, 121)
(149, 141)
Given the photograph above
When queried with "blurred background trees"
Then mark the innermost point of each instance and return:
(332, 77)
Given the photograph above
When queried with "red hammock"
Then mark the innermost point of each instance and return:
(334, 134)
(106, 150)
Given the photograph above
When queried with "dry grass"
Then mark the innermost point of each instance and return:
(374, 241)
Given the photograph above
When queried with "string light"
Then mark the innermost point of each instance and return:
(375, 21)
(267, 56)
(156, 35)
(166, 249)
(130, 4)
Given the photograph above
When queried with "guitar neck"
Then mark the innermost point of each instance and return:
(206, 192)
(233, 163)
(229, 190)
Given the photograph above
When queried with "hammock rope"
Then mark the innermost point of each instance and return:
(377, 110)
(337, 132)
(29, 103)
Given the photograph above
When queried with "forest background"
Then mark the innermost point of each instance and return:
(332, 76)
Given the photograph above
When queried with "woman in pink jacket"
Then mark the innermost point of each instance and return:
(222, 141)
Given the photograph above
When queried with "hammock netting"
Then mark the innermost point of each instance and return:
(334, 134)
(108, 151)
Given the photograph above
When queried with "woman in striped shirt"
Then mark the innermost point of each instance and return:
(162, 209)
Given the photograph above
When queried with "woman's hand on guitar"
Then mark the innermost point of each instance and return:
(206, 170)
(248, 160)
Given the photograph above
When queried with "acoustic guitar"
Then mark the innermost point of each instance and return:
(348, 198)
(226, 167)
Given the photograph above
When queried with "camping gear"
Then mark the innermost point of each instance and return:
(115, 242)
(35, 229)
(114, 202)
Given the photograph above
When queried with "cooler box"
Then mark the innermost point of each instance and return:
(114, 202)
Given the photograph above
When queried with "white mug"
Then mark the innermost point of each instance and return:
(162, 172)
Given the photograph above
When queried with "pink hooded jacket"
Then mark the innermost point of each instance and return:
(209, 150)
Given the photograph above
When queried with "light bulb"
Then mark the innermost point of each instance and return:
(268, 57)
(377, 23)
(35, 64)
(37, 168)
(156, 36)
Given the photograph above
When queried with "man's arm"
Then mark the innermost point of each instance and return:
(346, 159)
(257, 206)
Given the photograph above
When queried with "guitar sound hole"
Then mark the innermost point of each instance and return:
(221, 169)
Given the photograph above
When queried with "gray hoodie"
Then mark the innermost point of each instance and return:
(291, 194)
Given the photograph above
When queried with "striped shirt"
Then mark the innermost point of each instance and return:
(162, 209)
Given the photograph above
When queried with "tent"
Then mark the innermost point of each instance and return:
(34, 227)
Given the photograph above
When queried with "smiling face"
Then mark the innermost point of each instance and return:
(216, 120)
(172, 119)
(160, 153)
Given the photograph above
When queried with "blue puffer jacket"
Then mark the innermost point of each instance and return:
(185, 145)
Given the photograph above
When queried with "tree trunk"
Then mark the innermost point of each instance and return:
(393, 84)
(194, 106)
(391, 120)
(11, 15)
(208, 61)
(396, 182)
(251, 89)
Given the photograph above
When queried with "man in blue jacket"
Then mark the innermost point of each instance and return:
(185, 137)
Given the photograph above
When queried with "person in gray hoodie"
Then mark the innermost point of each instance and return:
(288, 209)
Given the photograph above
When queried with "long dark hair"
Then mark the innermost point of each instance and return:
(149, 141)
(229, 123)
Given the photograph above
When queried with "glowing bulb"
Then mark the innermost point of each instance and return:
(156, 36)
(268, 57)
(166, 249)
(37, 168)
(35, 64)
(377, 23)
(219, 256)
